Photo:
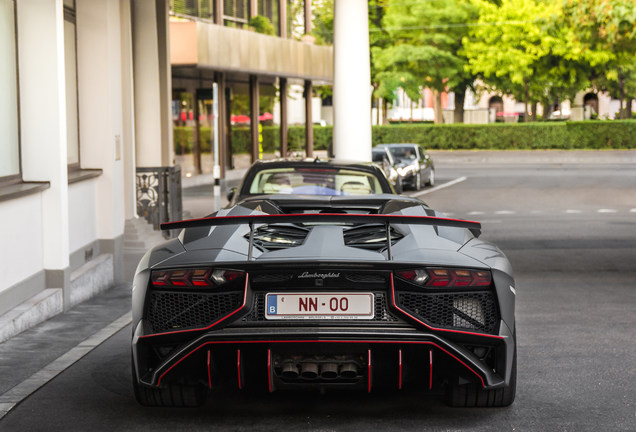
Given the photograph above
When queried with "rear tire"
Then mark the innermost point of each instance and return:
(169, 395)
(470, 395)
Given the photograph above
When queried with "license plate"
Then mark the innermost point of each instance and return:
(343, 306)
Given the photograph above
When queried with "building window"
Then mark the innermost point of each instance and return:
(270, 9)
(236, 13)
(193, 9)
(9, 129)
(70, 67)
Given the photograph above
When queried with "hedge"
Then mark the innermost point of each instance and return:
(241, 139)
(616, 134)
(510, 136)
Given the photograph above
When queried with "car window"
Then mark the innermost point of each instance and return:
(309, 181)
(377, 156)
(406, 152)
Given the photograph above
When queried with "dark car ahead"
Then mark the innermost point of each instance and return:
(383, 157)
(329, 177)
(413, 164)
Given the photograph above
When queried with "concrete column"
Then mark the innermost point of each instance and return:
(227, 113)
(309, 124)
(101, 114)
(223, 132)
(352, 81)
(283, 117)
(253, 8)
(282, 8)
(196, 133)
(43, 123)
(218, 12)
(308, 16)
(165, 81)
(153, 124)
(128, 111)
(254, 108)
(577, 112)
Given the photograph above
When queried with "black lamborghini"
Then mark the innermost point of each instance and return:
(291, 292)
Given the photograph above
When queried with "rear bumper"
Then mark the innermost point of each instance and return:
(253, 358)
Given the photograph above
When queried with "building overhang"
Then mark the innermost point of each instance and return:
(213, 47)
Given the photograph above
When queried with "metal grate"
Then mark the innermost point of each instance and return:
(159, 195)
(473, 311)
(171, 311)
(370, 236)
(257, 314)
(276, 237)
(365, 278)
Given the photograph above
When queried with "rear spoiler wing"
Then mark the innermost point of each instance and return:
(474, 227)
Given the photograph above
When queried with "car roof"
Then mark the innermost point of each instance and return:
(312, 162)
(398, 145)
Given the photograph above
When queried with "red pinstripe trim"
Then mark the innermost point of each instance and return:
(400, 378)
(269, 369)
(209, 372)
(435, 328)
(211, 325)
(369, 363)
(320, 341)
(238, 368)
(430, 370)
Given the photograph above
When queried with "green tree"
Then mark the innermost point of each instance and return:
(507, 45)
(606, 33)
(261, 24)
(322, 21)
(422, 47)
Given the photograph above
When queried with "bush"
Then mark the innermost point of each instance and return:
(261, 24)
(513, 136)
(616, 134)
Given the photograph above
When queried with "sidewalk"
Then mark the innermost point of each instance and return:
(33, 357)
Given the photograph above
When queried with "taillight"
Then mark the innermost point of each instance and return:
(447, 277)
(202, 278)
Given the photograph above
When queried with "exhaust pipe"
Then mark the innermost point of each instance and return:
(349, 371)
(329, 371)
(309, 371)
(290, 370)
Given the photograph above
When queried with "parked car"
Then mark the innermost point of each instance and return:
(299, 292)
(311, 177)
(413, 164)
(383, 157)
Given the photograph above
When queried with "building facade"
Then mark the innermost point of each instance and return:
(263, 80)
(85, 90)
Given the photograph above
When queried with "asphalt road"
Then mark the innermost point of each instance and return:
(570, 233)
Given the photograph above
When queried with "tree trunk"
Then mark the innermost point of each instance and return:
(385, 115)
(628, 108)
(411, 119)
(437, 107)
(526, 98)
(377, 112)
(621, 84)
(460, 96)
(533, 116)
